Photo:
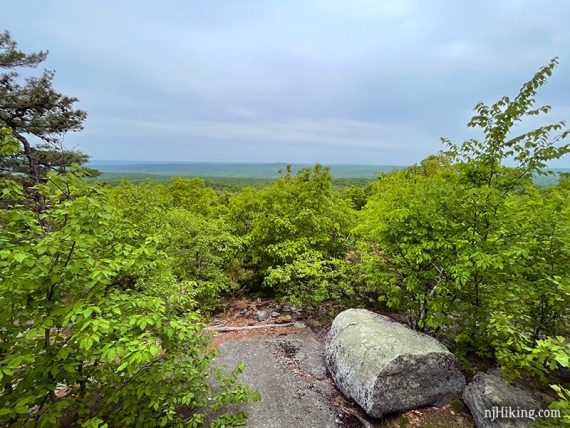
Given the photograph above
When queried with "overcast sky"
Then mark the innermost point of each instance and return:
(359, 81)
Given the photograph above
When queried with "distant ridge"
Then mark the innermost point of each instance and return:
(237, 170)
(134, 170)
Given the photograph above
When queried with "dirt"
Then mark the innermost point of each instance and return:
(288, 350)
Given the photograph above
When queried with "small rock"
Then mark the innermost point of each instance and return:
(275, 314)
(261, 315)
(288, 307)
(488, 392)
(299, 324)
(296, 315)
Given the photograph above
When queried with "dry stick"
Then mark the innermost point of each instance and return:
(247, 327)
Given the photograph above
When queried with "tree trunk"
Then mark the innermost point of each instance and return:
(34, 171)
(36, 178)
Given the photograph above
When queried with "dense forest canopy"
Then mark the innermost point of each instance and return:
(105, 290)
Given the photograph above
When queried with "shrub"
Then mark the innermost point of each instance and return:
(94, 330)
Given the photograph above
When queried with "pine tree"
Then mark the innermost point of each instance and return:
(31, 107)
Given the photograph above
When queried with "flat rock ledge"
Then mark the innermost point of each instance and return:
(289, 371)
(386, 367)
(490, 400)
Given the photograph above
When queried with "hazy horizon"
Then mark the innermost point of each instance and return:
(136, 161)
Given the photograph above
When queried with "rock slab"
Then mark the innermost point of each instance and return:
(289, 371)
(489, 391)
(386, 367)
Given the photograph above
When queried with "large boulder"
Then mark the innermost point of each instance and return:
(491, 402)
(386, 367)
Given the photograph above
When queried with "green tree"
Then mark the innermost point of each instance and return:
(203, 251)
(296, 223)
(202, 248)
(191, 194)
(470, 248)
(95, 329)
(33, 108)
(409, 230)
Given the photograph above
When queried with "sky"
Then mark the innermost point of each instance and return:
(302, 81)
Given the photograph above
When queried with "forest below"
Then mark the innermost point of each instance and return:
(106, 289)
(236, 176)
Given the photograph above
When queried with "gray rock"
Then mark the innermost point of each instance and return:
(490, 400)
(299, 324)
(275, 314)
(296, 315)
(261, 315)
(288, 307)
(289, 372)
(386, 367)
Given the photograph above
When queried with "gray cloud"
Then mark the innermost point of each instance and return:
(300, 81)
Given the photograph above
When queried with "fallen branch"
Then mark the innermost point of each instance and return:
(246, 327)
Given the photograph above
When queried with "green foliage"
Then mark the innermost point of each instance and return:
(295, 231)
(8, 144)
(410, 235)
(562, 404)
(357, 196)
(95, 329)
(297, 214)
(47, 159)
(31, 107)
(517, 354)
(311, 279)
(202, 250)
(10, 56)
(530, 150)
(191, 194)
(471, 249)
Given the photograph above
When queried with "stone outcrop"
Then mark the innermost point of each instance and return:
(386, 367)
